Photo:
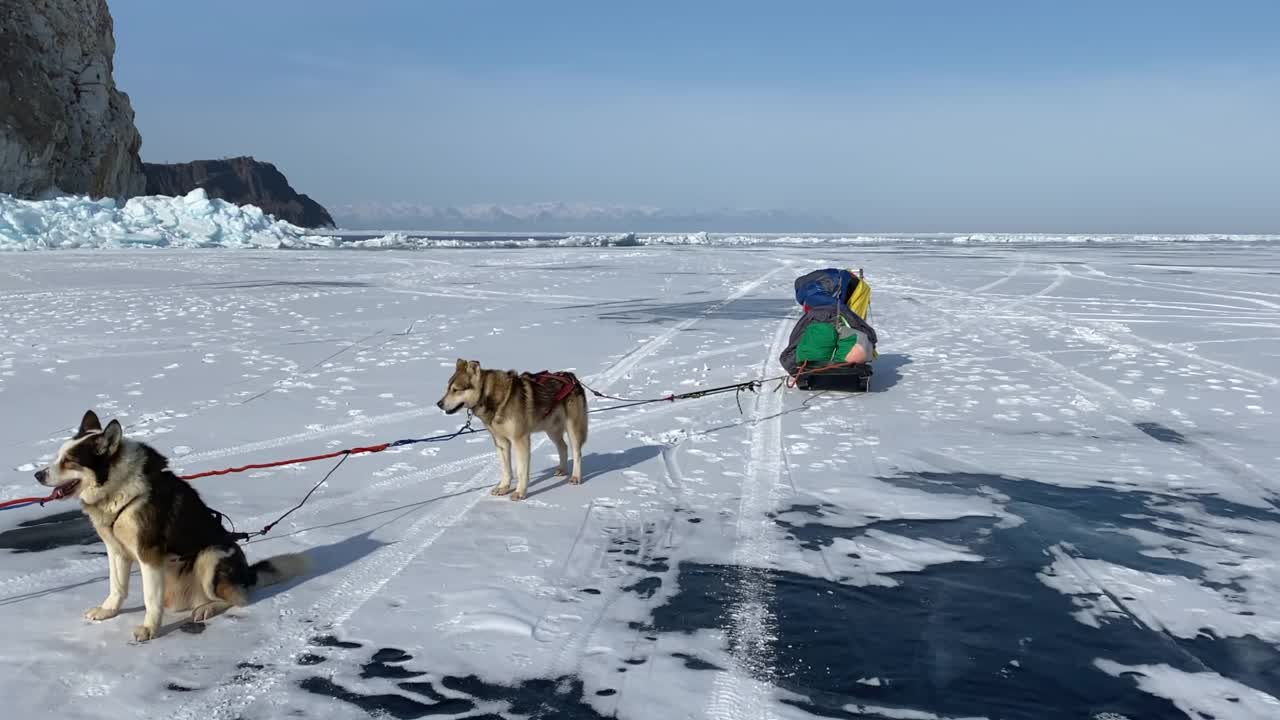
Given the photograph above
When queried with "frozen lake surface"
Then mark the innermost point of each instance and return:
(1059, 501)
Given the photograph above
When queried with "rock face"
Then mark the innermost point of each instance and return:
(241, 180)
(63, 124)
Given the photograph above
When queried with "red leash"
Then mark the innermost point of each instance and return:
(466, 429)
(22, 502)
(281, 463)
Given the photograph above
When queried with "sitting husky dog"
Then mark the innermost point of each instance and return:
(513, 406)
(143, 512)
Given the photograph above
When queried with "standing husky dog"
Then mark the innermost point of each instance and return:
(143, 512)
(513, 406)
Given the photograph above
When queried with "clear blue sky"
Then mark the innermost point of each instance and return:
(945, 115)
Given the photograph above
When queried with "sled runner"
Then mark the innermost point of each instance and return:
(848, 378)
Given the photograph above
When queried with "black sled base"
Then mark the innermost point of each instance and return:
(846, 378)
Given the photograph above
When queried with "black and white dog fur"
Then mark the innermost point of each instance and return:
(146, 514)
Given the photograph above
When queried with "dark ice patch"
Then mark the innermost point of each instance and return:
(662, 313)
(939, 641)
(1162, 433)
(246, 673)
(385, 704)
(1245, 659)
(391, 655)
(984, 638)
(62, 529)
(562, 697)
(645, 587)
(696, 663)
(375, 669)
(333, 642)
(658, 564)
(424, 689)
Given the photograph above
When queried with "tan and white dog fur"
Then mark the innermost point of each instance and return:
(146, 514)
(512, 407)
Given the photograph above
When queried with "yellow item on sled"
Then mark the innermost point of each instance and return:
(860, 302)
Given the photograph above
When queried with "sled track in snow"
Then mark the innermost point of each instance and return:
(913, 341)
(654, 534)
(229, 700)
(629, 361)
(741, 692)
(657, 538)
(568, 660)
(1117, 405)
(1022, 262)
(1268, 380)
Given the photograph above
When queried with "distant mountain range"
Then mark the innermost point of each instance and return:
(573, 217)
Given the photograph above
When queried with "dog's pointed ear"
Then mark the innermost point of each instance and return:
(462, 364)
(109, 441)
(473, 367)
(89, 423)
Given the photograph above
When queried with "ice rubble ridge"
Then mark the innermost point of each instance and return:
(195, 220)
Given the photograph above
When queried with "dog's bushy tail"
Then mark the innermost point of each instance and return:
(578, 420)
(279, 568)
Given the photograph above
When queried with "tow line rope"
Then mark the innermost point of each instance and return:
(736, 388)
(466, 429)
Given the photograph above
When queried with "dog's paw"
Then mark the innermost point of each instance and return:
(575, 480)
(517, 495)
(206, 611)
(501, 490)
(96, 614)
(143, 633)
(561, 471)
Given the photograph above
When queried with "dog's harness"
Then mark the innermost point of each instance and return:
(127, 505)
(567, 382)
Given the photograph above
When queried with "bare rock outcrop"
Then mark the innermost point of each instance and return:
(64, 126)
(241, 180)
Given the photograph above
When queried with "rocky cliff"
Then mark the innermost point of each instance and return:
(63, 124)
(241, 180)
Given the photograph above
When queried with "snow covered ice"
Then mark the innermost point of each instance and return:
(1058, 501)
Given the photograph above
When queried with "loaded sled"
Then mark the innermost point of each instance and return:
(832, 345)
